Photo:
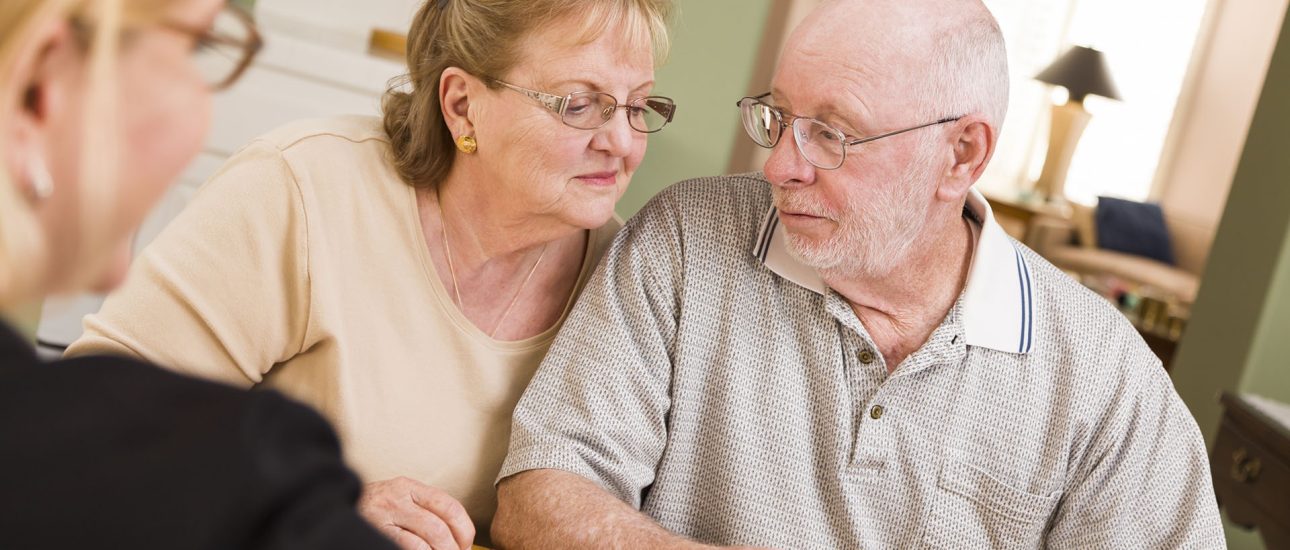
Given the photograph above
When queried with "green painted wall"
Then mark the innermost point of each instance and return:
(714, 47)
(1239, 336)
(1233, 328)
(1268, 371)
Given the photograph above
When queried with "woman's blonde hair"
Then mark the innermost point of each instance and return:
(24, 253)
(482, 37)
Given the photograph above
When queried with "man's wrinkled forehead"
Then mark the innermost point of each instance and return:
(855, 46)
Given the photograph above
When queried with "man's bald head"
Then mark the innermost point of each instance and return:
(947, 55)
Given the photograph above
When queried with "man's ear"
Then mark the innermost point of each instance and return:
(973, 142)
(455, 93)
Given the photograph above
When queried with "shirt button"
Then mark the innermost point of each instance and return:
(866, 357)
(876, 412)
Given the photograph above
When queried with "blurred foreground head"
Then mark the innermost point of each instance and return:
(102, 105)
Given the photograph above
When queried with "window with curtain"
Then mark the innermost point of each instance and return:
(1148, 45)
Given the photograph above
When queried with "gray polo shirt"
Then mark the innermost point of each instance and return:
(735, 399)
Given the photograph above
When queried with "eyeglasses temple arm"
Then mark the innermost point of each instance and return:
(858, 141)
(553, 103)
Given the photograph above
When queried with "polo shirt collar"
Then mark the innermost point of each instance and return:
(998, 312)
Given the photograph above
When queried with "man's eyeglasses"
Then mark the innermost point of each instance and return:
(591, 110)
(821, 145)
(225, 50)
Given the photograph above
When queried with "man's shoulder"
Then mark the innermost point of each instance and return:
(715, 190)
(1077, 307)
(1096, 339)
(733, 205)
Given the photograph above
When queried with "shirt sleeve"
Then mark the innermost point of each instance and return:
(597, 406)
(1145, 481)
(223, 292)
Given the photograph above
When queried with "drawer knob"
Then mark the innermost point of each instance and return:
(1245, 468)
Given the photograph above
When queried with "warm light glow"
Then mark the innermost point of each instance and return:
(1058, 95)
(1148, 46)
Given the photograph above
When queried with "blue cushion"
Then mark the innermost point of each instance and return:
(1133, 228)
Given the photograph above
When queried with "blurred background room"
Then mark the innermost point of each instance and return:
(1149, 159)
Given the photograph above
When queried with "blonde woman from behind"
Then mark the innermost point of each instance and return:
(101, 106)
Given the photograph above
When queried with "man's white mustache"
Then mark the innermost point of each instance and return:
(796, 204)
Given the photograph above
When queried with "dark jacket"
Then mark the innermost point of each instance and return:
(105, 452)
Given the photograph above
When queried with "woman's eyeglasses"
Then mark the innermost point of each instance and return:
(591, 110)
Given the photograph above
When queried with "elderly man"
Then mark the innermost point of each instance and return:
(850, 352)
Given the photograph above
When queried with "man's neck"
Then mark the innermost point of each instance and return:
(901, 308)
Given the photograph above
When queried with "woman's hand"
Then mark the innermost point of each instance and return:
(416, 516)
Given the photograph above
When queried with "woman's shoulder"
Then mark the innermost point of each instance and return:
(309, 147)
(125, 386)
(346, 156)
(312, 132)
(132, 403)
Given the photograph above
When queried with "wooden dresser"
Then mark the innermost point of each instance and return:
(1251, 466)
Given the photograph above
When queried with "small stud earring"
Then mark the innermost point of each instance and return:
(467, 144)
(42, 184)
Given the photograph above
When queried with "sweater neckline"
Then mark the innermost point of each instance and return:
(459, 319)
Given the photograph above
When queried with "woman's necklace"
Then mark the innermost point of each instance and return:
(456, 289)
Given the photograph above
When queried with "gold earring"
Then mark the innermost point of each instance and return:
(467, 144)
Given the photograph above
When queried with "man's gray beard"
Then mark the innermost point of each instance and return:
(872, 238)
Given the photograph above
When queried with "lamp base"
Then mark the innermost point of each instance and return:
(1068, 123)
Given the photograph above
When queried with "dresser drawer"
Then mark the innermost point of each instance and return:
(1251, 469)
(1246, 470)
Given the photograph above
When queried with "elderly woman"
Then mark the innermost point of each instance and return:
(405, 276)
(102, 103)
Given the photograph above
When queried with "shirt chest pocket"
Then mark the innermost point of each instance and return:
(971, 509)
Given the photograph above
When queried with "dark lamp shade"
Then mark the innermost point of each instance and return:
(1082, 71)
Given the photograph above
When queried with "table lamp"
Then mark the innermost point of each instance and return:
(1082, 71)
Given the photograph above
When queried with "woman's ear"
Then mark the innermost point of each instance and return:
(455, 90)
(39, 90)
